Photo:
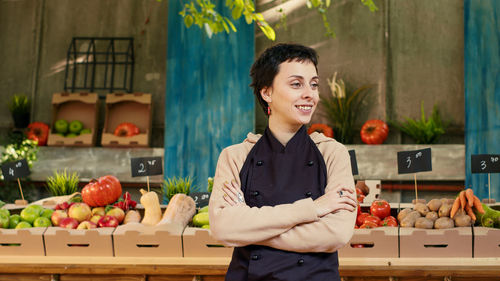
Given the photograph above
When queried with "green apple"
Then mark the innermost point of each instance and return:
(203, 210)
(14, 220)
(75, 127)
(205, 226)
(200, 219)
(86, 131)
(42, 222)
(47, 213)
(29, 215)
(37, 208)
(61, 126)
(4, 221)
(71, 135)
(23, 224)
(4, 212)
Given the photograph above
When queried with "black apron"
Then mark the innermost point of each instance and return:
(274, 175)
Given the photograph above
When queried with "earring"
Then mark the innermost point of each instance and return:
(268, 111)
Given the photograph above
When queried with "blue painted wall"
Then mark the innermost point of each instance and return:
(482, 89)
(208, 103)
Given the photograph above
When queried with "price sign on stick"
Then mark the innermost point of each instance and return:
(146, 166)
(200, 198)
(354, 163)
(413, 162)
(485, 163)
(15, 170)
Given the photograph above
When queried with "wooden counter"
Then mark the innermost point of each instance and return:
(180, 269)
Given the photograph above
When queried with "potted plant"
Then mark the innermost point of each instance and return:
(62, 183)
(19, 107)
(423, 130)
(172, 186)
(342, 108)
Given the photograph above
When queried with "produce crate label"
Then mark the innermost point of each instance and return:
(414, 161)
(146, 166)
(15, 169)
(354, 163)
(200, 198)
(485, 163)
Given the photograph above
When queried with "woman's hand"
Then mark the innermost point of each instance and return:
(344, 199)
(232, 194)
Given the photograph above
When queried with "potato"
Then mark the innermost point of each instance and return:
(421, 208)
(414, 214)
(424, 223)
(444, 222)
(408, 221)
(433, 216)
(447, 201)
(434, 205)
(444, 210)
(462, 220)
(402, 214)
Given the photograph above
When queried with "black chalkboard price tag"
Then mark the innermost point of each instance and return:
(15, 169)
(200, 198)
(485, 163)
(354, 163)
(146, 166)
(414, 161)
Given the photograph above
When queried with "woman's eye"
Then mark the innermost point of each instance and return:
(296, 85)
(314, 86)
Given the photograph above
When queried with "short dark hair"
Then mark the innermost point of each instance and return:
(266, 67)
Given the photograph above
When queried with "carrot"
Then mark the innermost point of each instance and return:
(470, 212)
(469, 193)
(455, 207)
(462, 199)
(478, 205)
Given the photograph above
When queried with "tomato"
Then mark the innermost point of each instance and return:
(359, 210)
(359, 191)
(126, 130)
(369, 224)
(38, 131)
(101, 192)
(373, 219)
(389, 221)
(361, 218)
(380, 208)
(321, 128)
(361, 198)
(374, 132)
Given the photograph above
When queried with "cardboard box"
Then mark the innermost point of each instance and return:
(76, 106)
(22, 242)
(381, 242)
(198, 242)
(486, 242)
(435, 243)
(133, 108)
(96, 242)
(138, 240)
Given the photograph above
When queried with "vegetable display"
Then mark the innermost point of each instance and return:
(374, 132)
(101, 192)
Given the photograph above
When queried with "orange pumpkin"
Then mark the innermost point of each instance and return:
(321, 128)
(101, 192)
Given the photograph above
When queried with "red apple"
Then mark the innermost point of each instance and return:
(108, 221)
(118, 213)
(70, 223)
(86, 225)
(80, 212)
(57, 216)
(98, 211)
(95, 218)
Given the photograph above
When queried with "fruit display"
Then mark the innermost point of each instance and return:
(30, 216)
(362, 190)
(70, 128)
(201, 218)
(379, 215)
(126, 129)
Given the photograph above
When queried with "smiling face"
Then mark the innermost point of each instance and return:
(293, 96)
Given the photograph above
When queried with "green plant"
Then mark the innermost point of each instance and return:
(207, 16)
(62, 183)
(342, 108)
(19, 104)
(210, 185)
(423, 131)
(172, 186)
(27, 149)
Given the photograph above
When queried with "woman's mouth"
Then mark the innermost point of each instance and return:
(306, 109)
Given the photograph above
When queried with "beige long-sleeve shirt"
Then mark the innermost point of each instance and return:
(291, 227)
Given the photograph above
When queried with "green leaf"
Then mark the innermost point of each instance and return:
(188, 21)
(268, 31)
(309, 4)
(327, 3)
(236, 12)
(233, 28)
(248, 19)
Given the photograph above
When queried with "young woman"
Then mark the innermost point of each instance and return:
(285, 200)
